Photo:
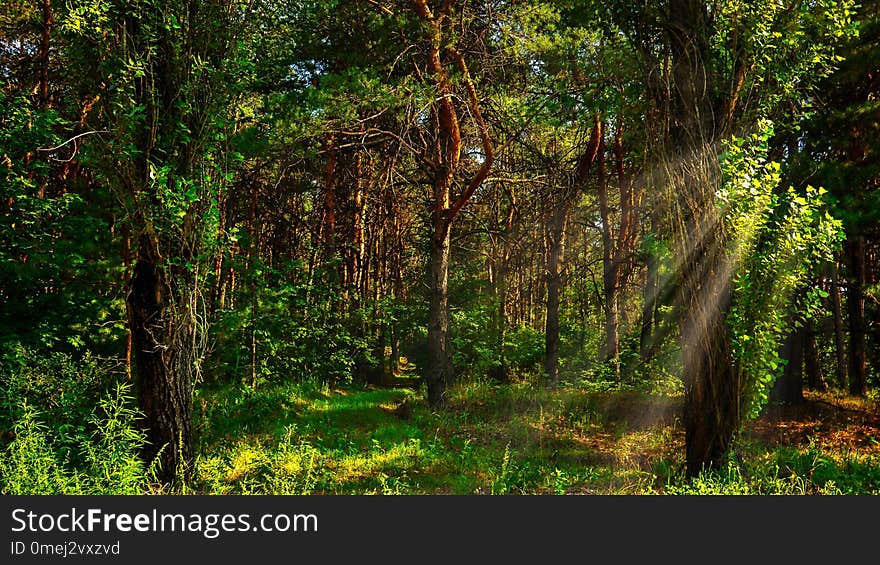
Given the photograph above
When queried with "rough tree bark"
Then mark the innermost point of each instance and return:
(165, 304)
(625, 240)
(43, 54)
(162, 331)
(650, 300)
(610, 271)
(555, 257)
(502, 249)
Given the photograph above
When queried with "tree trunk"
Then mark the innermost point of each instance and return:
(43, 55)
(447, 145)
(839, 330)
(647, 342)
(855, 301)
(555, 257)
(712, 386)
(439, 374)
(624, 246)
(252, 258)
(789, 386)
(165, 362)
(217, 290)
(610, 272)
(502, 371)
(812, 364)
(126, 276)
(328, 221)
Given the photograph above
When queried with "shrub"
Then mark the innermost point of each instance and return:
(93, 443)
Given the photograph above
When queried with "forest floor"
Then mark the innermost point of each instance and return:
(517, 438)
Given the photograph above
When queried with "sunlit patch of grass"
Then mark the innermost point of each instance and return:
(288, 466)
(377, 458)
(835, 472)
(517, 438)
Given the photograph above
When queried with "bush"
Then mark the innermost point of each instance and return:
(72, 431)
(524, 348)
(59, 387)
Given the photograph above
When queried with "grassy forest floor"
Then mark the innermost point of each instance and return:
(517, 438)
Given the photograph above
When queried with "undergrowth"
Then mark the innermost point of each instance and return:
(310, 438)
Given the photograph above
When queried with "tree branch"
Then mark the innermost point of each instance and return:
(485, 139)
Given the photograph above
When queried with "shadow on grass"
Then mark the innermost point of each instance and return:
(330, 417)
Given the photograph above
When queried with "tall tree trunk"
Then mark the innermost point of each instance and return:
(712, 386)
(447, 149)
(624, 248)
(163, 334)
(650, 294)
(712, 390)
(839, 330)
(555, 257)
(126, 276)
(439, 373)
(502, 249)
(610, 271)
(502, 373)
(328, 220)
(43, 55)
(855, 301)
(359, 276)
(252, 258)
(555, 243)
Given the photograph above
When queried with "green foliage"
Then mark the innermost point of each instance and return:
(524, 348)
(783, 471)
(783, 49)
(477, 342)
(61, 388)
(54, 242)
(290, 467)
(475, 339)
(64, 441)
(29, 464)
(777, 237)
(847, 473)
(731, 481)
(172, 123)
(113, 463)
(299, 327)
(169, 77)
(503, 439)
(839, 139)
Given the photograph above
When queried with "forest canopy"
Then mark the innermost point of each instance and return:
(434, 246)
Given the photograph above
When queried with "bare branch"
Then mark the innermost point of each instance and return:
(72, 139)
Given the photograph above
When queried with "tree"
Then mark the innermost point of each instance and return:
(446, 160)
(718, 86)
(165, 73)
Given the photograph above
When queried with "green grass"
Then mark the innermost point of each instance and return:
(511, 439)
(519, 438)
